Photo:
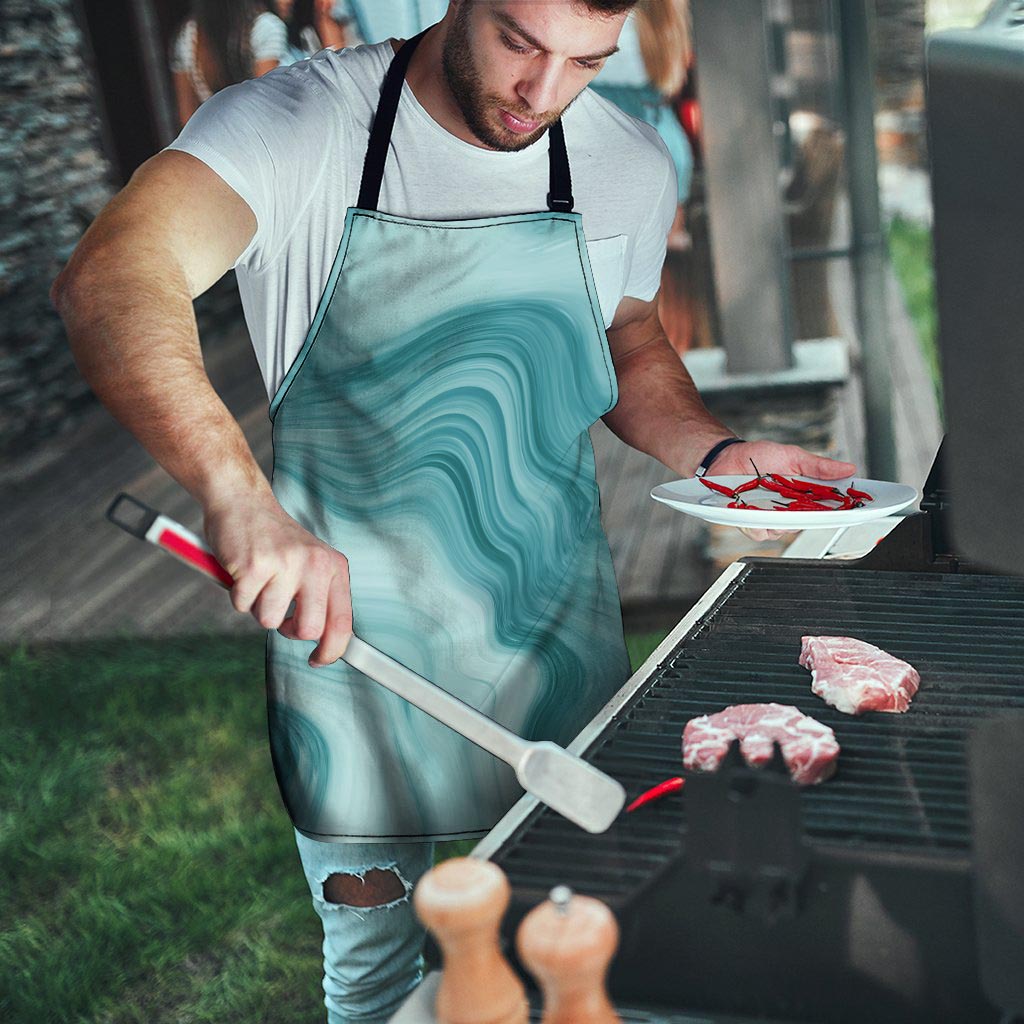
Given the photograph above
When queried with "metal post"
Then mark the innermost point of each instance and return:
(867, 237)
(748, 237)
(154, 65)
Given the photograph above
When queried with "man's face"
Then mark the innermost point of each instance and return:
(513, 66)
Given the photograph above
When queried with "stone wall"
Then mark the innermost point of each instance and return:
(54, 178)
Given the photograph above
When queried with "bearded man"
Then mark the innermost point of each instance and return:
(448, 251)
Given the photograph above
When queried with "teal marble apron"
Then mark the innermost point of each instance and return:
(433, 428)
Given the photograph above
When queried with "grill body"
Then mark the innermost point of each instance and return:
(847, 901)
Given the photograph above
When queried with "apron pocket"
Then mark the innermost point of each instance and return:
(608, 265)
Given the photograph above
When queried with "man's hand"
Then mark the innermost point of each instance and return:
(275, 561)
(770, 457)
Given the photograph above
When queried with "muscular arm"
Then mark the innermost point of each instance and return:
(126, 300)
(659, 410)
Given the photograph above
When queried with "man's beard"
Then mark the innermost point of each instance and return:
(464, 83)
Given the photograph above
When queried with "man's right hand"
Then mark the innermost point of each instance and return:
(126, 300)
(275, 561)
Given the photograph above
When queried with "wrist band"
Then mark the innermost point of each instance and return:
(705, 463)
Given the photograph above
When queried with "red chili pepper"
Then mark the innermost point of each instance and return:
(806, 505)
(720, 488)
(750, 485)
(788, 492)
(808, 487)
(863, 495)
(772, 485)
(793, 485)
(739, 503)
(656, 793)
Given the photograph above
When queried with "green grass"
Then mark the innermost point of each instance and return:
(147, 867)
(910, 246)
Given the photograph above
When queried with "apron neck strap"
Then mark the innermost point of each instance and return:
(559, 197)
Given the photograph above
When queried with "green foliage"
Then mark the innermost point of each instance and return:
(641, 646)
(149, 871)
(910, 247)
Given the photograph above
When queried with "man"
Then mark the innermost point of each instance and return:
(429, 304)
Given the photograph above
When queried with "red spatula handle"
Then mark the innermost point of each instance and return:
(147, 524)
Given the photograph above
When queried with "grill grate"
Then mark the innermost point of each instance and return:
(902, 779)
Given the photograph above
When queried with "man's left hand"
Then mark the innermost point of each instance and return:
(771, 457)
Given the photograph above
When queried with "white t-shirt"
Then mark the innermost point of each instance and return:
(292, 144)
(268, 40)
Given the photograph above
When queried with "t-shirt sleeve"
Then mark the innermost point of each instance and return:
(652, 238)
(269, 38)
(268, 139)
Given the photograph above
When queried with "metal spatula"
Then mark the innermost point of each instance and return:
(564, 782)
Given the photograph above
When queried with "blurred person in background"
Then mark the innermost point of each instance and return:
(647, 75)
(314, 25)
(221, 43)
(371, 21)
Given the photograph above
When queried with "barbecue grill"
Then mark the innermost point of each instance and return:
(744, 895)
(893, 892)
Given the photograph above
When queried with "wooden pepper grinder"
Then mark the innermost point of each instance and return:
(462, 902)
(567, 943)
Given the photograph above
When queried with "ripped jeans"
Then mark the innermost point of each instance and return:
(372, 954)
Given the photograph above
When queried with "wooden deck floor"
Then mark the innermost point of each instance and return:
(72, 574)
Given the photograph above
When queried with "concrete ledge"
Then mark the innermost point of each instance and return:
(816, 363)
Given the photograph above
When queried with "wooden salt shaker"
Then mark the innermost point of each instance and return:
(462, 902)
(567, 943)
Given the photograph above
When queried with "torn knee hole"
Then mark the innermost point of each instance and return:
(372, 889)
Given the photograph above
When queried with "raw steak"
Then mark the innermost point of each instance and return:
(855, 677)
(809, 748)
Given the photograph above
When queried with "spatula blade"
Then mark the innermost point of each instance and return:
(577, 790)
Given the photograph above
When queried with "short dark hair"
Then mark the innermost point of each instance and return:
(608, 6)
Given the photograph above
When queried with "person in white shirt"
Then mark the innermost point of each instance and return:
(649, 70)
(314, 25)
(372, 21)
(448, 251)
(224, 42)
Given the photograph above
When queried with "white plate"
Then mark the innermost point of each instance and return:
(693, 498)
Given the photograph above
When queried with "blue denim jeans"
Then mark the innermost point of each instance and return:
(372, 955)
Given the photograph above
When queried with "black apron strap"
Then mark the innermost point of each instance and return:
(559, 197)
(383, 122)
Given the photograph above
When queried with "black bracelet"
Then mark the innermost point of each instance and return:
(705, 463)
